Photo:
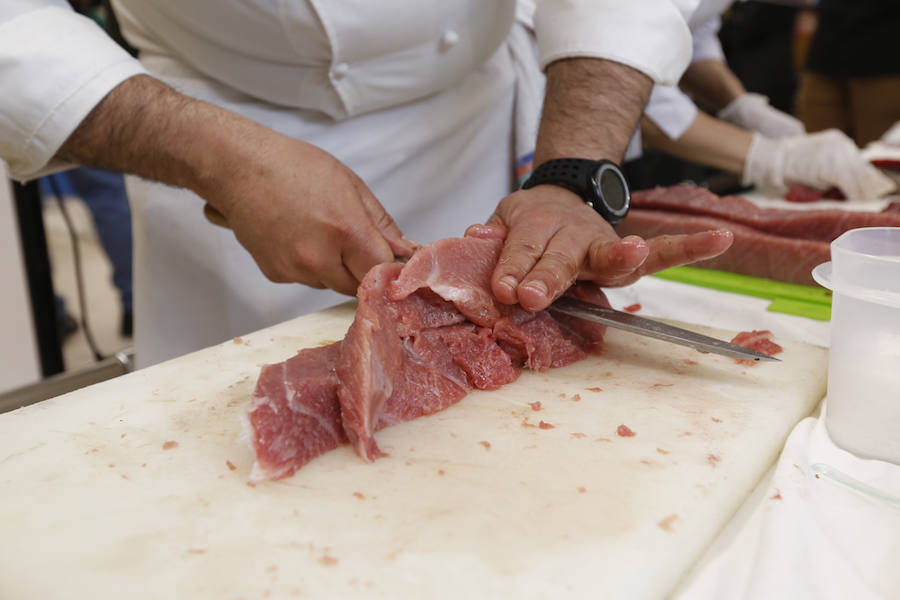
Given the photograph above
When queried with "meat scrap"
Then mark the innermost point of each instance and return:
(666, 524)
(624, 431)
(761, 341)
(425, 334)
(633, 307)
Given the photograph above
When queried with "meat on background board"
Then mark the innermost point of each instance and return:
(773, 243)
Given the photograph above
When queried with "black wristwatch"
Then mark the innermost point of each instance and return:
(600, 183)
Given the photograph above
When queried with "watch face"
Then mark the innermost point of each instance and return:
(611, 188)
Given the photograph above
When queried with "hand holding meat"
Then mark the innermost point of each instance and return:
(754, 113)
(823, 160)
(307, 218)
(554, 238)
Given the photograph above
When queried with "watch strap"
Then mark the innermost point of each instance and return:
(571, 173)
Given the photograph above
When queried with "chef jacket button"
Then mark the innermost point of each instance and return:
(449, 39)
(340, 70)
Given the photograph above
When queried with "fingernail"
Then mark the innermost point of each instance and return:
(538, 286)
(509, 281)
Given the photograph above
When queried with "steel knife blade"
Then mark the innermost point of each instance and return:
(654, 329)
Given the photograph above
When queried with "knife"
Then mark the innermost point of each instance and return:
(654, 329)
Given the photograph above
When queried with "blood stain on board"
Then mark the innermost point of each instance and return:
(661, 451)
(441, 472)
(777, 495)
(169, 445)
(582, 490)
(359, 495)
(688, 361)
(578, 435)
(595, 389)
(196, 551)
(486, 444)
(624, 431)
(716, 420)
(230, 465)
(525, 423)
(237, 340)
(545, 425)
(576, 398)
(712, 459)
(535, 405)
(666, 524)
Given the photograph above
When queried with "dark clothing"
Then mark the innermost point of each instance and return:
(856, 38)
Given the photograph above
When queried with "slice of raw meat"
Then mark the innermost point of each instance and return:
(294, 415)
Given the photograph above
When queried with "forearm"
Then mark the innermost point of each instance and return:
(708, 141)
(712, 83)
(591, 109)
(146, 128)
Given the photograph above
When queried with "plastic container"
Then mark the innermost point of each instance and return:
(863, 414)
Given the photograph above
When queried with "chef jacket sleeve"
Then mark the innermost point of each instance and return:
(671, 110)
(706, 41)
(55, 66)
(651, 36)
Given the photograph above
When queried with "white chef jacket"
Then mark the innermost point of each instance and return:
(422, 110)
(671, 109)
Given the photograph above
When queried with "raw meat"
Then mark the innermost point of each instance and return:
(822, 225)
(425, 334)
(805, 193)
(294, 415)
(776, 244)
(761, 341)
(752, 253)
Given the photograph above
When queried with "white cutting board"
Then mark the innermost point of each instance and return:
(92, 505)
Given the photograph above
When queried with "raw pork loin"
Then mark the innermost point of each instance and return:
(780, 244)
(425, 334)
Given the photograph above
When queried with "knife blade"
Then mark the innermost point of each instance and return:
(654, 329)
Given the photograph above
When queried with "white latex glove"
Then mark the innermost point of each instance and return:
(753, 112)
(821, 160)
(892, 135)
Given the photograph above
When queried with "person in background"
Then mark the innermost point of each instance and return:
(852, 77)
(767, 147)
(103, 192)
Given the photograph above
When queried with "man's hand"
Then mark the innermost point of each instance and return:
(303, 215)
(307, 218)
(554, 238)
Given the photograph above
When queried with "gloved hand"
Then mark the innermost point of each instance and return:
(752, 112)
(824, 159)
(892, 135)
